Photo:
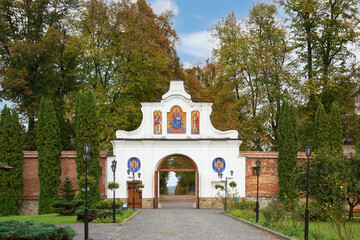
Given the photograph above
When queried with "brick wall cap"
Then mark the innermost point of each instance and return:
(64, 154)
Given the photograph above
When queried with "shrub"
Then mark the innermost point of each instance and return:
(28, 231)
(65, 207)
(97, 214)
(273, 213)
(67, 189)
(106, 204)
(245, 205)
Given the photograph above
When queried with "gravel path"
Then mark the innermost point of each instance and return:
(162, 224)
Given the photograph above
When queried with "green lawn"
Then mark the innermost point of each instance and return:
(317, 230)
(58, 219)
(47, 218)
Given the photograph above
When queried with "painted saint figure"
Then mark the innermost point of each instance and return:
(157, 122)
(195, 129)
(176, 122)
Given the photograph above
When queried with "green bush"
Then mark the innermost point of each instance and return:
(28, 231)
(106, 204)
(245, 205)
(65, 207)
(96, 214)
(273, 213)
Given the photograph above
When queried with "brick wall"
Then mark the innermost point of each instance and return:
(68, 168)
(268, 178)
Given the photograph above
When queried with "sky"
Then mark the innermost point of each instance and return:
(192, 19)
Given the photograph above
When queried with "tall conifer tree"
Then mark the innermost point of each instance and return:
(287, 152)
(11, 146)
(86, 130)
(49, 156)
(335, 128)
(321, 134)
(357, 140)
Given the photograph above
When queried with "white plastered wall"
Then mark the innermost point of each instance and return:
(151, 149)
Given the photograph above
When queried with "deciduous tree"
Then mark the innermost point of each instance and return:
(36, 58)
(127, 54)
(253, 73)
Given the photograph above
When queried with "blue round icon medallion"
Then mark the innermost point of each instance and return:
(218, 165)
(134, 164)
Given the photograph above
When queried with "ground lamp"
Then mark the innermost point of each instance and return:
(133, 180)
(86, 157)
(308, 150)
(226, 182)
(257, 189)
(113, 168)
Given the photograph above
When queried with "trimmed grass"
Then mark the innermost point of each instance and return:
(58, 219)
(46, 218)
(317, 230)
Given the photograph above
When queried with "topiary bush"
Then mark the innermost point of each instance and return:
(65, 207)
(29, 231)
(97, 214)
(106, 204)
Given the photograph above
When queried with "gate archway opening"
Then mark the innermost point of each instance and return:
(176, 163)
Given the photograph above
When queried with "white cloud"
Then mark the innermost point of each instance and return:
(160, 6)
(197, 45)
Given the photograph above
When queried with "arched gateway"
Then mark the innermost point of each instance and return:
(176, 125)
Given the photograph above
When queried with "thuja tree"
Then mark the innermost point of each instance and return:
(86, 130)
(335, 128)
(287, 159)
(321, 125)
(49, 156)
(11, 144)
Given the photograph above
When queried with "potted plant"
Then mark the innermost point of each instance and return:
(139, 186)
(218, 186)
(90, 180)
(113, 186)
(232, 184)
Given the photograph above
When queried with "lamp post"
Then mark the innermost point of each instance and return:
(86, 157)
(113, 168)
(308, 150)
(226, 182)
(133, 180)
(257, 189)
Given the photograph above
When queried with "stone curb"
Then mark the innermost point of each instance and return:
(264, 229)
(129, 218)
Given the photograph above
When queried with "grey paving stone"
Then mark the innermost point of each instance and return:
(158, 224)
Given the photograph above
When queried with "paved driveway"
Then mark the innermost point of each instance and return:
(174, 224)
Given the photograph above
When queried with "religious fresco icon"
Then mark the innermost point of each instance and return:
(176, 120)
(134, 164)
(195, 122)
(218, 165)
(157, 122)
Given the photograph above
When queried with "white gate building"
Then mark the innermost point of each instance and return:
(176, 126)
